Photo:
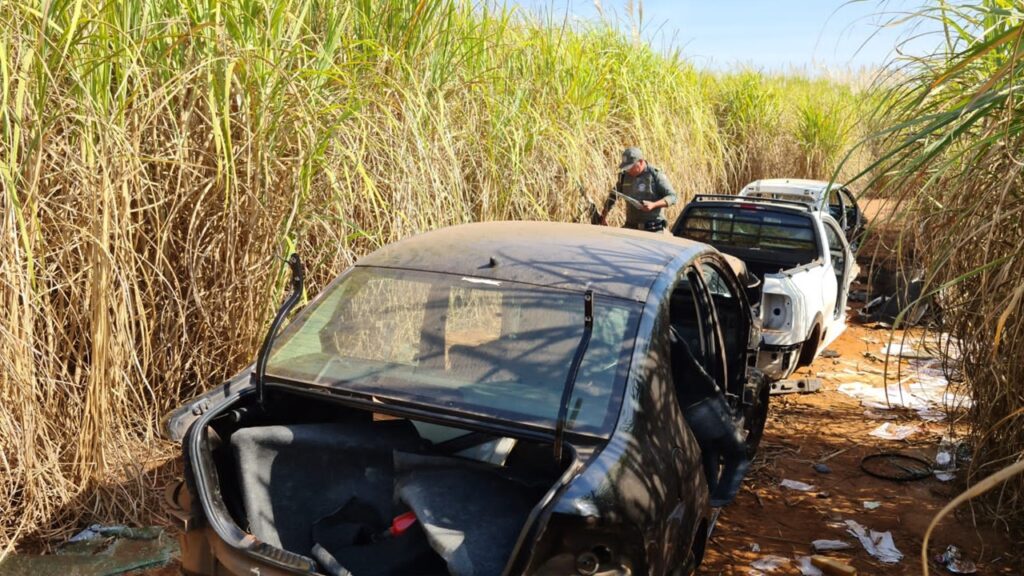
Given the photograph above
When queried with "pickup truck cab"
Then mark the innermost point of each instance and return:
(802, 258)
(831, 198)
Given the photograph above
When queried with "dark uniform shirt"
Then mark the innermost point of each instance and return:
(650, 185)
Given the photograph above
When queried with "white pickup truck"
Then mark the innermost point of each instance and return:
(835, 199)
(802, 258)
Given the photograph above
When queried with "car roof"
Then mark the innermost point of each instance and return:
(610, 261)
(813, 189)
(791, 205)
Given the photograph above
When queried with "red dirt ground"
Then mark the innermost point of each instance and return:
(831, 427)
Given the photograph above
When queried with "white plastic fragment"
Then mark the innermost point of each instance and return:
(945, 463)
(878, 544)
(954, 561)
(770, 563)
(98, 530)
(871, 504)
(89, 533)
(905, 351)
(830, 545)
(796, 485)
(755, 547)
(890, 431)
(807, 568)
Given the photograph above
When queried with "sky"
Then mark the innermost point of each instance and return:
(776, 35)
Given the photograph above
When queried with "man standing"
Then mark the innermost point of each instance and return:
(646, 192)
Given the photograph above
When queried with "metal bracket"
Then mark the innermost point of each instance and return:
(802, 386)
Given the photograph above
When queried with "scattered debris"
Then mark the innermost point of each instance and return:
(873, 357)
(98, 550)
(755, 547)
(833, 566)
(899, 296)
(954, 561)
(770, 563)
(872, 504)
(890, 431)
(879, 415)
(926, 393)
(878, 544)
(117, 531)
(945, 463)
(822, 468)
(807, 568)
(796, 485)
(830, 545)
(801, 386)
(829, 354)
(896, 467)
(905, 351)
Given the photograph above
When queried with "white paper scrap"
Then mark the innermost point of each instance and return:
(878, 544)
(830, 545)
(890, 431)
(769, 563)
(796, 485)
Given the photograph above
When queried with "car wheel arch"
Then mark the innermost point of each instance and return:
(809, 349)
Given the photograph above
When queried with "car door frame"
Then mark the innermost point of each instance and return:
(737, 366)
(853, 229)
(842, 296)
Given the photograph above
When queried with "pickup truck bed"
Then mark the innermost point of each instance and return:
(802, 260)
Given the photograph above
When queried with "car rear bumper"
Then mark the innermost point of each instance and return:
(778, 362)
(204, 553)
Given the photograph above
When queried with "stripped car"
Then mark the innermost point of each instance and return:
(800, 255)
(558, 399)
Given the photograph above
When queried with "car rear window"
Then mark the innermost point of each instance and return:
(742, 229)
(487, 348)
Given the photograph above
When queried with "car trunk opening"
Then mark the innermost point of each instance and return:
(336, 484)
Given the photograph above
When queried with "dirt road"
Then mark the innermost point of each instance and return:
(830, 427)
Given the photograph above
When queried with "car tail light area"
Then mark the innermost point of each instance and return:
(572, 546)
(776, 312)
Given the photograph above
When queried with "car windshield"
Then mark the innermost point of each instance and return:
(482, 347)
(741, 230)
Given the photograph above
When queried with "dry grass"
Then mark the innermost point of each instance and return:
(158, 157)
(951, 172)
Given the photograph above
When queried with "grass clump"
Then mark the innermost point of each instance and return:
(950, 167)
(158, 157)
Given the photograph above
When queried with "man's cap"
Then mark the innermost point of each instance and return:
(630, 156)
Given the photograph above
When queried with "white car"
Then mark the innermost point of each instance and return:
(834, 199)
(802, 258)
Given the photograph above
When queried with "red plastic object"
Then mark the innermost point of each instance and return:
(402, 523)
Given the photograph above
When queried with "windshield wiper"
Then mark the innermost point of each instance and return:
(574, 368)
(259, 375)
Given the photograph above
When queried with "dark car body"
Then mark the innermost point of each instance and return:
(628, 497)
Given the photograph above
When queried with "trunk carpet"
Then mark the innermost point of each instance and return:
(296, 479)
